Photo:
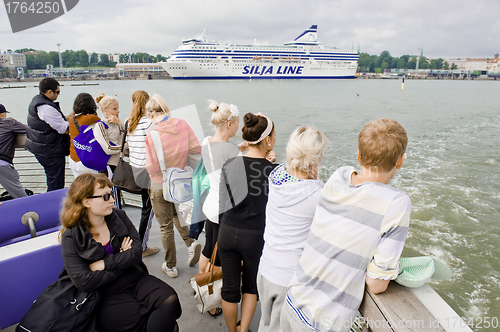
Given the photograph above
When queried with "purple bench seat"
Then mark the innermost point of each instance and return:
(46, 205)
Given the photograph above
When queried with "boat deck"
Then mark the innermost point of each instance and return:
(191, 319)
(398, 309)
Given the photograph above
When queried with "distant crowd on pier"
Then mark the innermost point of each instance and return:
(303, 248)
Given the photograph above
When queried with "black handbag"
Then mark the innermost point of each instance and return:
(127, 177)
(61, 308)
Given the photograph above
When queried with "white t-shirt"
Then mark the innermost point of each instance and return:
(215, 154)
(137, 142)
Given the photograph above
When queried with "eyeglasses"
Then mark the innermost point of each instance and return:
(56, 91)
(105, 197)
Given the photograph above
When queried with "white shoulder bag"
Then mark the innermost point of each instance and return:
(177, 182)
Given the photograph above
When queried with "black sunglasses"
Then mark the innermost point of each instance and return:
(105, 197)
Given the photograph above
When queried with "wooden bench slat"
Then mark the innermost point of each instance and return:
(400, 309)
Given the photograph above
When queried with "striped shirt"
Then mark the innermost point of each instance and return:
(137, 142)
(357, 230)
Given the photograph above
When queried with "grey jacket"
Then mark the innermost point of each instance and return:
(9, 128)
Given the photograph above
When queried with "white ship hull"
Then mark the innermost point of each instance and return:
(304, 58)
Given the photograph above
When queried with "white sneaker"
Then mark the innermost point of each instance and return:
(171, 272)
(194, 251)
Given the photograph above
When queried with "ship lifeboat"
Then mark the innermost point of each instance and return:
(256, 58)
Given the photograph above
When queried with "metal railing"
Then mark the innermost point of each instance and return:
(32, 174)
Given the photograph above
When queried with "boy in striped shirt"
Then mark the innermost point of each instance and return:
(357, 236)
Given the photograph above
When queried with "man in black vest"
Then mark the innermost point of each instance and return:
(9, 178)
(47, 135)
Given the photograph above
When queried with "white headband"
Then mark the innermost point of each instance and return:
(266, 132)
(234, 113)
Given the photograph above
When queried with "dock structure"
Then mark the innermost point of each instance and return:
(13, 87)
(398, 309)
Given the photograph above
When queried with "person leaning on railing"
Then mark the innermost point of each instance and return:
(9, 178)
(47, 134)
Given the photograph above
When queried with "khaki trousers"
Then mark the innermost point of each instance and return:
(167, 217)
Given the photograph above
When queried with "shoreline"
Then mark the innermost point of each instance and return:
(367, 77)
(77, 79)
(364, 77)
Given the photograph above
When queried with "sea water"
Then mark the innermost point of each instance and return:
(451, 171)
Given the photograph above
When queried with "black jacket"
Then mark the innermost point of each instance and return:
(9, 128)
(79, 250)
(41, 138)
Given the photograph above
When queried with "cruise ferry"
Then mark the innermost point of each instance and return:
(302, 58)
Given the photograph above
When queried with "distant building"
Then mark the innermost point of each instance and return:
(461, 63)
(494, 64)
(472, 64)
(114, 57)
(138, 69)
(12, 60)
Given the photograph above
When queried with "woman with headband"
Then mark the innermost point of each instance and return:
(216, 151)
(178, 141)
(243, 199)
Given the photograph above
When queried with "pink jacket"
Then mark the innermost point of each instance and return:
(177, 139)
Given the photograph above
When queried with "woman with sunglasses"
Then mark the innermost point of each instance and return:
(102, 251)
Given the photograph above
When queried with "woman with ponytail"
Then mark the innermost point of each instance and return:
(138, 126)
(294, 192)
(242, 201)
(178, 141)
(216, 151)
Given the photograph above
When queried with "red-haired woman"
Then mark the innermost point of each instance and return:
(102, 251)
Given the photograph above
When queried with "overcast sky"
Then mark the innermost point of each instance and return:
(445, 28)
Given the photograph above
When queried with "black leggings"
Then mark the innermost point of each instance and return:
(145, 213)
(164, 318)
(238, 245)
(211, 235)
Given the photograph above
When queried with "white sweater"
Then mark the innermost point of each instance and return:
(289, 213)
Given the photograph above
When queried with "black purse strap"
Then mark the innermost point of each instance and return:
(76, 124)
(124, 138)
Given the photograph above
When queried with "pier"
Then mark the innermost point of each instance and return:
(426, 74)
(13, 87)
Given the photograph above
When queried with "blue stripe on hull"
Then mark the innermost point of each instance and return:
(264, 78)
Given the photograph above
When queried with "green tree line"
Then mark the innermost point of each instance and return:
(373, 63)
(81, 58)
